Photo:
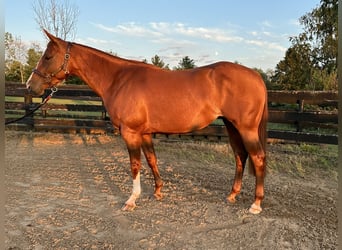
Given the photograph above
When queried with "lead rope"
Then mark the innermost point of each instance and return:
(53, 90)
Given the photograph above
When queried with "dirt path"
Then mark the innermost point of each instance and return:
(65, 192)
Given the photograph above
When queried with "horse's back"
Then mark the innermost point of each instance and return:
(181, 101)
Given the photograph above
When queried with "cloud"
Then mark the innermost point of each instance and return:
(265, 39)
(174, 40)
(163, 30)
(266, 23)
(129, 29)
(266, 45)
(254, 33)
(101, 41)
(180, 34)
(212, 34)
(294, 22)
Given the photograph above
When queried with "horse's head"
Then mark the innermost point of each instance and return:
(52, 67)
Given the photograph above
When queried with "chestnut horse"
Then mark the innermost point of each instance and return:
(142, 99)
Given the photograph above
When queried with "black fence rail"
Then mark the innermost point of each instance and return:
(302, 116)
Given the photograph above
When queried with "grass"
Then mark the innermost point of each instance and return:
(53, 100)
(63, 113)
(294, 159)
(300, 159)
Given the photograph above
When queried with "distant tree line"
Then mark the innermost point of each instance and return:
(184, 63)
(309, 64)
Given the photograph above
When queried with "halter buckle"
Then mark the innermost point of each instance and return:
(53, 90)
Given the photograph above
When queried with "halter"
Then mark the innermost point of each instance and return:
(63, 67)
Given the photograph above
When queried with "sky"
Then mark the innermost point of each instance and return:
(253, 33)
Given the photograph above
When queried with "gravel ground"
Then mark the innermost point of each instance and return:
(65, 191)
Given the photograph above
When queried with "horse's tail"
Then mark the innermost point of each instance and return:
(262, 131)
(263, 126)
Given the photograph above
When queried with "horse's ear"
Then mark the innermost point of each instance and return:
(50, 36)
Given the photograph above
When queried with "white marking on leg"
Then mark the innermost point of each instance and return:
(255, 209)
(130, 203)
(136, 186)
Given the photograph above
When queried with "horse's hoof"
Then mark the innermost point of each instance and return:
(255, 209)
(128, 207)
(231, 199)
(158, 196)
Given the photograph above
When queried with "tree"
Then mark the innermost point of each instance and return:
(58, 17)
(9, 49)
(295, 70)
(186, 63)
(266, 77)
(311, 61)
(159, 62)
(320, 29)
(14, 58)
(74, 80)
(19, 61)
(33, 55)
(13, 71)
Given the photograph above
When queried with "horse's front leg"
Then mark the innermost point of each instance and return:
(240, 159)
(136, 190)
(133, 143)
(148, 149)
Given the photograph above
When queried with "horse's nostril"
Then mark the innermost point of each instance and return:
(28, 88)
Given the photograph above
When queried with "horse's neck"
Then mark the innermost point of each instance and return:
(95, 67)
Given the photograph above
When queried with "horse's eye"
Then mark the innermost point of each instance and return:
(48, 58)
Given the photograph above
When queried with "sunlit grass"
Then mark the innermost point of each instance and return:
(53, 101)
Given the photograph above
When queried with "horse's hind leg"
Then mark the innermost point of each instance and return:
(148, 149)
(241, 155)
(258, 157)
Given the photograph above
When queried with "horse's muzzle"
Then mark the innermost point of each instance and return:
(28, 87)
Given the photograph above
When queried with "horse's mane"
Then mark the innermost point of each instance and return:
(114, 57)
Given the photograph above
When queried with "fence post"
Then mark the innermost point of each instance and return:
(28, 107)
(300, 110)
(104, 112)
(44, 109)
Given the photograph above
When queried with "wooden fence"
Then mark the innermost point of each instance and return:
(301, 116)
